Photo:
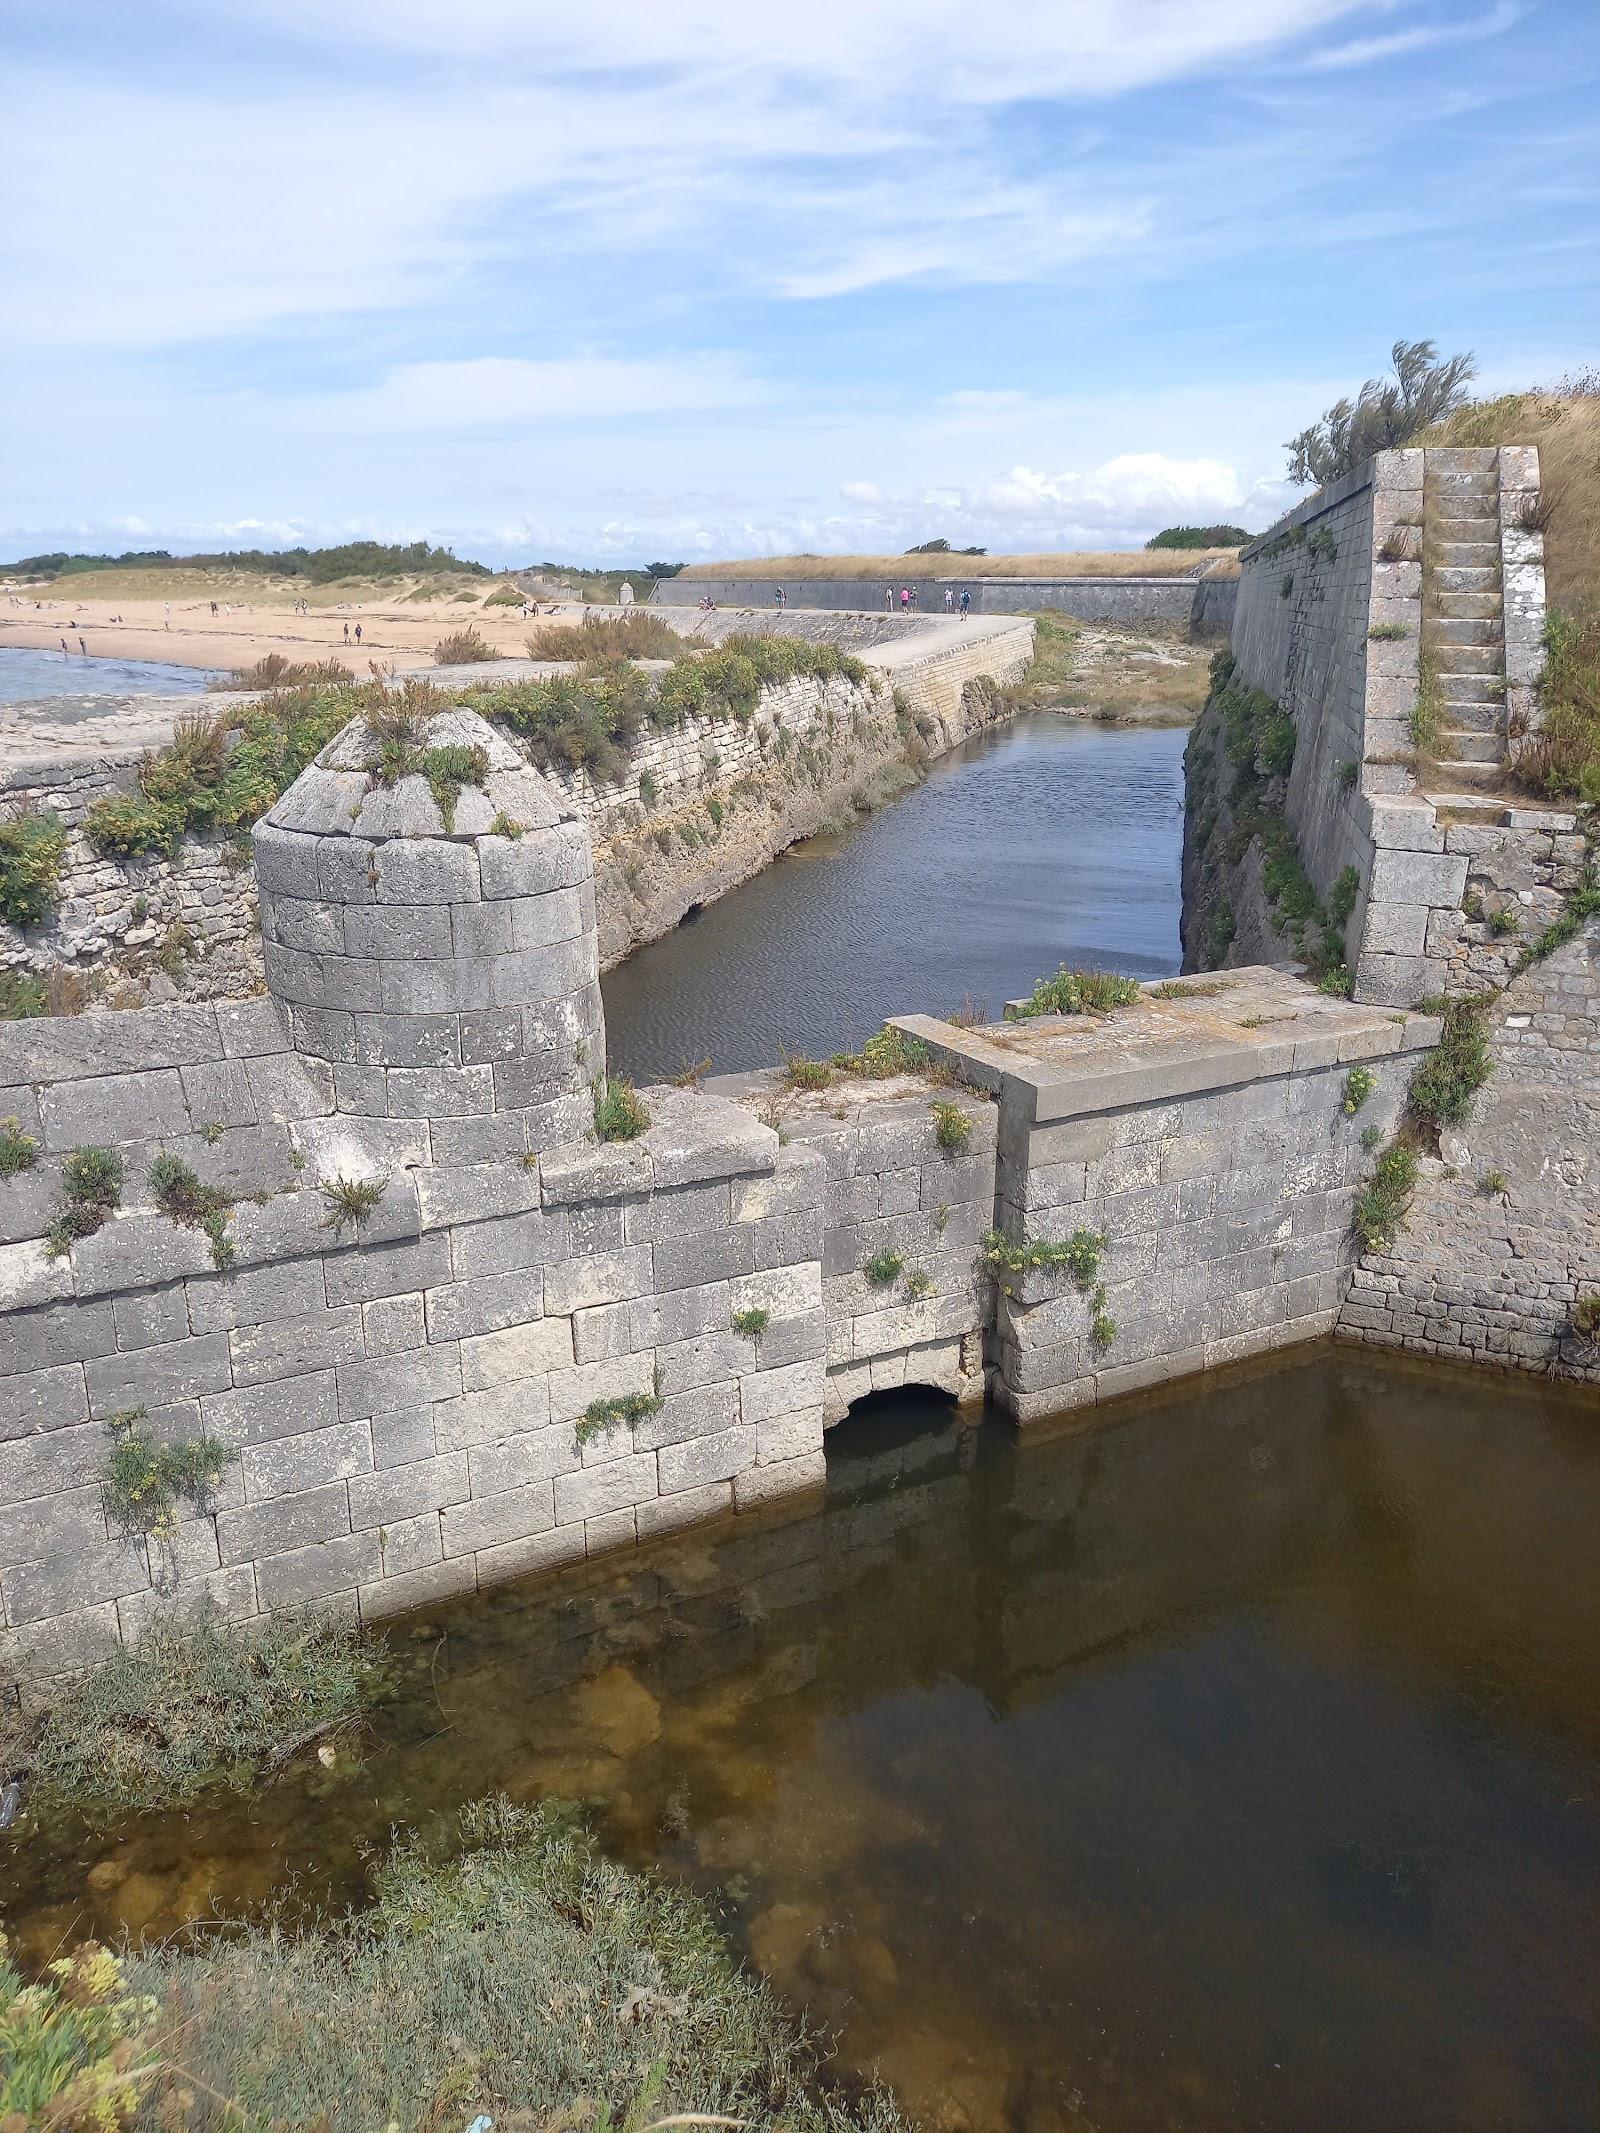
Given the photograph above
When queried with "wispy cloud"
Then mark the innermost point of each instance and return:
(1370, 51)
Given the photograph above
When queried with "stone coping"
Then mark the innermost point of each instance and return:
(1207, 1032)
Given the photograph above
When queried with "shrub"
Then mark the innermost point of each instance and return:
(274, 671)
(619, 1115)
(883, 1268)
(91, 1180)
(32, 846)
(751, 1322)
(889, 1053)
(516, 1973)
(1078, 1255)
(19, 1151)
(1493, 1184)
(1359, 1084)
(182, 1198)
(192, 1707)
(952, 1127)
(463, 648)
(1199, 537)
(449, 770)
(144, 1482)
(76, 2046)
(22, 996)
(1586, 1317)
(1503, 920)
(1385, 413)
(1381, 1203)
(919, 1283)
(640, 635)
(1102, 1326)
(349, 1201)
(1076, 992)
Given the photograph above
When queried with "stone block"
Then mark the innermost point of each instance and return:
(407, 1545)
(525, 1558)
(706, 1411)
(690, 1507)
(407, 1492)
(62, 1644)
(156, 1376)
(515, 1353)
(402, 1438)
(792, 1436)
(426, 871)
(390, 1325)
(283, 1407)
(112, 1108)
(517, 1462)
(1400, 877)
(413, 1589)
(283, 1522)
(51, 1525)
(135, 1251)
(415, 1379)
(486, 1417)
(792, 1340)
(507, 1243)
(596, 1490)
(314, 1573)
(699, 1461)
(608, 1277)
(295, 1347)
(474, 1192)
(42, 1465)
(602, 1333)
(488, 1522)
(782, 1477)
(43, 1400)
(63, 1584)
(784, 1240)
(288, 1466)
(485, 1305)
(408, 1040)
(370, 1271)
(777, 1392)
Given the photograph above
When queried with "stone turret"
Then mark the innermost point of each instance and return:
(428, 925)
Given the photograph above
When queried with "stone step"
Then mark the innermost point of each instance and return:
(1455, 746)
(1447, 630)
(1477, 481)
(1475, 689)
(1452, 579)
(1466, 806)
(1454, 771)
(1468, 607)
(1466, 659)
(1468, 555)
(1473, 717)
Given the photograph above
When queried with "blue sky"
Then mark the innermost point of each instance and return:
(723, 277)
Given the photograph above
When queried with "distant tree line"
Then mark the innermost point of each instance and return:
(942, 548)
(319, 566)
(1199, 537)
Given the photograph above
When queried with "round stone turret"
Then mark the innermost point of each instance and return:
(428, 923)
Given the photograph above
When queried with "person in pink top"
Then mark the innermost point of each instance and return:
(905, 599)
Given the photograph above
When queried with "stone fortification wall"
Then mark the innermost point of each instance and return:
(1502, 1239)
(1174, 602)
(160, 928)
(1346, 563)
(892, 1186)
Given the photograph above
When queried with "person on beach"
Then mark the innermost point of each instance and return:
(966, 601)
(888, 599)
(83, 648)
(782, 599)
(949, 598)
(213, 607)
(347, 633)
(905, 599)
(64, 652)
(358, 633)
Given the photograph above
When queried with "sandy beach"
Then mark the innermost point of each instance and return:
(184, 631)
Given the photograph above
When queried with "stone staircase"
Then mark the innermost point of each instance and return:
(1463, 628)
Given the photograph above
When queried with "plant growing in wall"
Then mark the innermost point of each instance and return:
(1586, 1317)
(799, 1072)
(630, 1407)
(348, 1201)
(144, 1482)
(919, 1283)
(750, 1323)
(1359, 1084)
(1076, 992)
(1381, 1204)
(883, 1268)
(952, 1127)
(619, 1114)
(32, 847)
(91, 1182)
(184, 1199)
(19, 1151)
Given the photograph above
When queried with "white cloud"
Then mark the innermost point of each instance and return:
(1369, 51)
(510, 393)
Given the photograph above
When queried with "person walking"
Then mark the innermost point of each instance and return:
(782, 599)
(966, 601)
(83, 648)
(888, 599)
(905, 599)
(358, 634)
(65, 653)
(347, 633)
(949, 598)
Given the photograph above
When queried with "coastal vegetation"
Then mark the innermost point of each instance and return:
(33, 844)
(511, 1971)
(1081, 563)
(319, 566)
(1386, 412)
(188, 1709)
(1199, 537)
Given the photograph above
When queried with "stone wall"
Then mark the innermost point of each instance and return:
(1502, 1238)
(1173, 602)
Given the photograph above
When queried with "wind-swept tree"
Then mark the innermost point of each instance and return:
(1385, 413)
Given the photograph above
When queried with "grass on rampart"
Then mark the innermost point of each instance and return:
(223, 771)
(190, 1709)
(1087, 563)
(1564, 422)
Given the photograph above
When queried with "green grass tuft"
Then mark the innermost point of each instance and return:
(33, 845)
(349, 1201)
(1076, 992)
(619, 1114)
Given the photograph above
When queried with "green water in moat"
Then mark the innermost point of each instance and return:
(1233, 1764)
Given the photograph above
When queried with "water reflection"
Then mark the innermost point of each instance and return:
(1055, 840)
(1233, 1766)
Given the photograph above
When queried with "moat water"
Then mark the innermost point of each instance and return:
(1056, 840)
(1232, 1765)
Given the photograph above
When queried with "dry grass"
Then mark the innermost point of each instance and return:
(640, 635)
(1566, 428)
(1094, 563)
(240, 588)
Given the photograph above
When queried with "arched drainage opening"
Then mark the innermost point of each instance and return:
(691, 914)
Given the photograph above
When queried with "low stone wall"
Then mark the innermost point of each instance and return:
(1173, 602)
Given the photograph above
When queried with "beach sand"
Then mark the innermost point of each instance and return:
(184, 631)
